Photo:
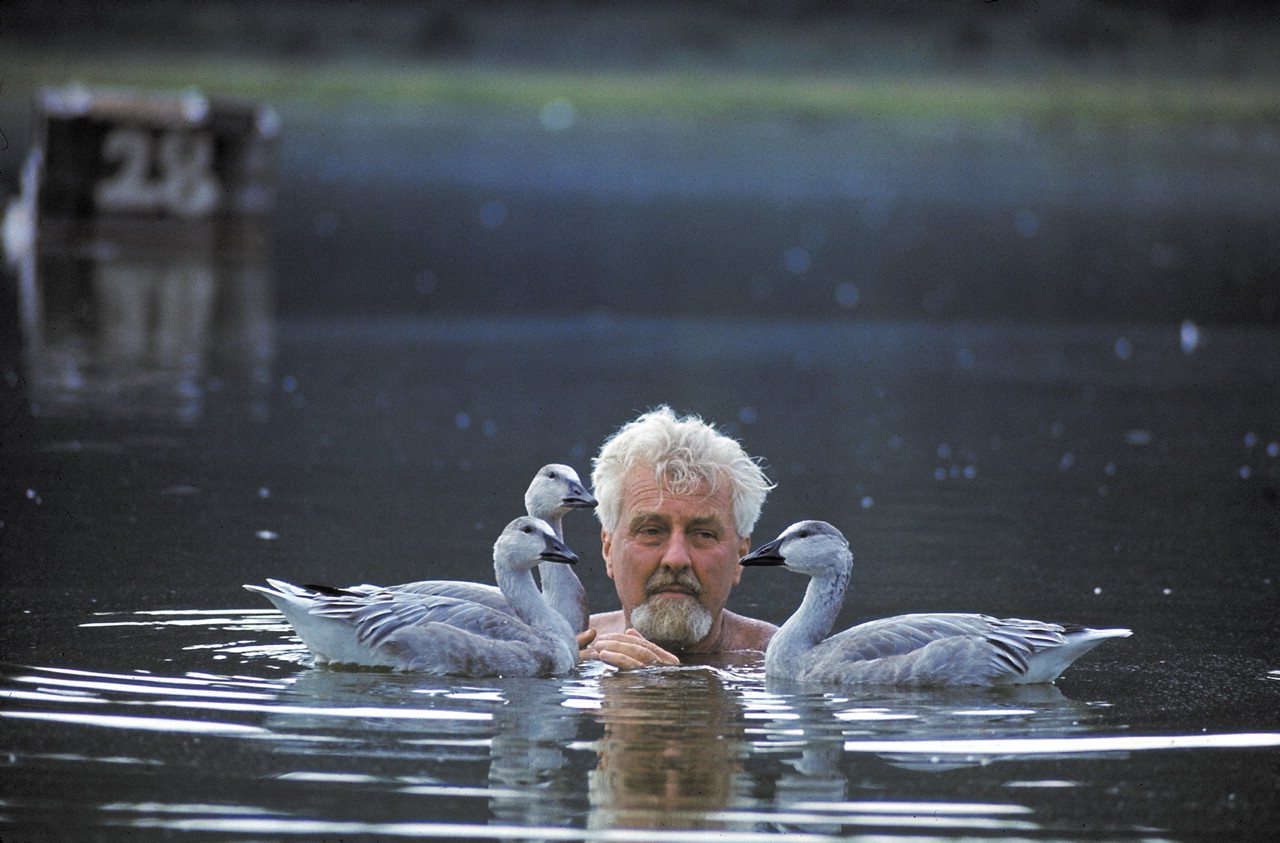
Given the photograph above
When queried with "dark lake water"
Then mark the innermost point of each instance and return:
(1028, 371)
(1113, 475)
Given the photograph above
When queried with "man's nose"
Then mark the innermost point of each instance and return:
(676, 553)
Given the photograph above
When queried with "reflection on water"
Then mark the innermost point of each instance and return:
(653, 776)
(116, 325)
(140, 241)
(240, 740)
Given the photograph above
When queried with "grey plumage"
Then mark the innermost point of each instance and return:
(439, 634)
(911, 650)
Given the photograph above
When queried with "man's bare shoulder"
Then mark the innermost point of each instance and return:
(744, 633)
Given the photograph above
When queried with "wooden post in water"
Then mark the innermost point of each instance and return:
(142, 242)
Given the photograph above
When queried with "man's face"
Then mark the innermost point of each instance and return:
(673, 559)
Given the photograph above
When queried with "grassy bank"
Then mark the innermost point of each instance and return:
(908, 98)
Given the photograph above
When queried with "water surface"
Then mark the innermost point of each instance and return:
(1108, 475)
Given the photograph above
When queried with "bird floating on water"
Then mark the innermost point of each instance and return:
(906, 650)
(554, 491)
(438, 634)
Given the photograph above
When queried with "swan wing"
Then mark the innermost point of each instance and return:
(378, 616)
(446, 649)
(483, 593)
(933, 649)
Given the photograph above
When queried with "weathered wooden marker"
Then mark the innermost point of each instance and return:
(142, 242)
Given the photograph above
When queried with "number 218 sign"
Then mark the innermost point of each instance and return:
(180, 157)
(167, 171)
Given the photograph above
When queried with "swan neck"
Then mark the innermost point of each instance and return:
(564, 592)
(812, 621)
(523, 595)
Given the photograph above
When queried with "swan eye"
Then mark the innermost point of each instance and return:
(551, 475)
(803, 534)
(526, 529)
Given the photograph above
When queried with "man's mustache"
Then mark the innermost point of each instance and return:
(665, 579)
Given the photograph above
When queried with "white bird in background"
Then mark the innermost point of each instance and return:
(554, 491)
(910, 650)
(438, 634)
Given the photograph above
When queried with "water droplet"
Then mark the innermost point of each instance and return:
(1245, 472)
(1138, 437)
(1109, 469)
(1273, 449)
(847, 296)
(267, 535)
(1097, 589)
(558, 115)
(289, 384)
(867, 502)
(1026, 223)
(944, 451)
(747, 415)
(1188, 336)
(1057, 430)
(1166, 591)
(797, 260)
(965, 358)
(489, 427)
(1250, 440)
(939, 474)
(1123, 348)
(1068, 460)
(970, 472)
(180, 490)
(264, 492)
(462, 421)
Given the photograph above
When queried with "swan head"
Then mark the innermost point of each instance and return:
(814, 548)
(555, 490)
(528, 541)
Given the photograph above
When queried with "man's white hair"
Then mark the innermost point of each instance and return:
(684, 453)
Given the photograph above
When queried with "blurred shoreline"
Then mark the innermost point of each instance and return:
(971, 161)
(1075, 59)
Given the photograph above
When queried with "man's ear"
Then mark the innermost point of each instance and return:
(744, 547)
(606, 550)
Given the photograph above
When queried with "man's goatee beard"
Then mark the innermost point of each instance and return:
(672, 623)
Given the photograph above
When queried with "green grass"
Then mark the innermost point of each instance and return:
(892, 98)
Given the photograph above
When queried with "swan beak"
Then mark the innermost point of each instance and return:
(765, 554)
(578, 498)
(557, 551)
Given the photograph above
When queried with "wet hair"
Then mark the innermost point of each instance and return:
(684, 453)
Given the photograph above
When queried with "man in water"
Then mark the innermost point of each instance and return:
(678, 502)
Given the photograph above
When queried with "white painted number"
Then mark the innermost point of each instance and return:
(183, 183)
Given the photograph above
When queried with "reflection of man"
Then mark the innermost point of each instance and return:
(688, 773)
(678, 501)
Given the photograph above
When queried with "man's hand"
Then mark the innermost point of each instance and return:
(623, 650)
